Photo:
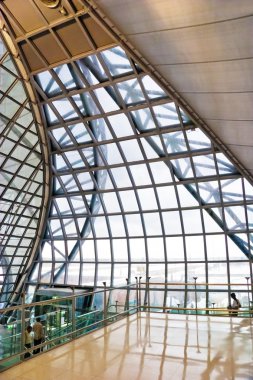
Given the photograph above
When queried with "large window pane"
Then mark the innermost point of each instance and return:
(195, 248)
(156, 249)
(137, 250)
(172, 223)
(216, 247)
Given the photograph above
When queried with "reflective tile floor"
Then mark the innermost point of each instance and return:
(150, 347)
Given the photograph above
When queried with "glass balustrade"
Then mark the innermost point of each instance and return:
(63, 319)
(67, 318)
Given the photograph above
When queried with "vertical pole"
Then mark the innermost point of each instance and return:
(73, 312)
(22, 330)
(140, 291)
(95, 314)
(148, 280)
(196, 301)
(247, 279)
(137, 293)
(127, 295)
(105, 308)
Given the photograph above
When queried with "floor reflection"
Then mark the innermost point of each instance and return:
(151, 347)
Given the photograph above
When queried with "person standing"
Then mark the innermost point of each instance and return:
(28, 340)
(38, 334)
(235, 304)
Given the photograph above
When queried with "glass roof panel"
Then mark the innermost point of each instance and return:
(224, 165)
(117, 61)
(51, 116)
(88, 74)
(8, 107)
(121, 125)
(9, 64)
(131, 91)
(210, 191)
(61, 136)
(65, 109)
(100, 130)
(66, 77)
(197, 139)
(143, 119)
(48, 84)
(152, 89)
(80, 133)
(166, 114)
(94, 65)
(86, 104)
(106, 97)
(175, 142)
(7, 80)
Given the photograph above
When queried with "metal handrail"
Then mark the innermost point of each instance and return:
(65, 298)
(108, 311)
(90, 320)
(193, 284)
(229, 311)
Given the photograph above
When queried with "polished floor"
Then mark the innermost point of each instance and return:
(150, 347)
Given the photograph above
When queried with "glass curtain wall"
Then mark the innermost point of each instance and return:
(21, 176)
(138, 188)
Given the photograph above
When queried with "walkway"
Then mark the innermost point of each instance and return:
(150, 347)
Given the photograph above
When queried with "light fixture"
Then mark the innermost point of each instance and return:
(51, 3)
(55, 4)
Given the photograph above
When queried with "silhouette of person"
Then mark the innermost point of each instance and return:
(28, 340)
(38, 334)
(235, 304)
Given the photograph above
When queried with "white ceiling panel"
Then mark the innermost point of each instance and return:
(234, 131)
(148, 15)
(229, 106)
(204, 49)
(204, 43)
(224, 76)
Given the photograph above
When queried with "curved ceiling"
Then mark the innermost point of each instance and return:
(136, 184)
(203, 48)
(198, 47)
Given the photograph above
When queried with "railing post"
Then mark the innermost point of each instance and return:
(105, 308)
(140, 291)
(22, 330)
(127, 295)
(73, 305)
(196, 301)
(148, 290)
(137, 293)
(247, 279)
(95, 314)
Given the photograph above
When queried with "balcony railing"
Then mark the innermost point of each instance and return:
(62, 318)
(66, 318)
